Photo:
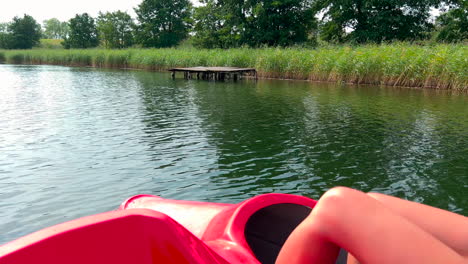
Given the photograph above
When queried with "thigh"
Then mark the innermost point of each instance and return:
(449, 228)
(366, 228)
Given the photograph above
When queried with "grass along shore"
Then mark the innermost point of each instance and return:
(442, 66)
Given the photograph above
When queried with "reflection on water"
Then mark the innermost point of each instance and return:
(75, 141)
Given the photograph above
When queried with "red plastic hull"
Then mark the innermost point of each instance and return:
(149, 229)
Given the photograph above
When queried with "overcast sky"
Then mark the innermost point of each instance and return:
(62, 9)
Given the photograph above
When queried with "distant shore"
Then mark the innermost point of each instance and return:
(441, 66)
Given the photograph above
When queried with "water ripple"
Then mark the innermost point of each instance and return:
(75, 142)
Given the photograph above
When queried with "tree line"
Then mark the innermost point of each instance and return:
(253, 23)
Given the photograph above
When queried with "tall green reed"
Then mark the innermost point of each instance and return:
(443, 66)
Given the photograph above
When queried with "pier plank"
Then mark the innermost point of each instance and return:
(215, 73)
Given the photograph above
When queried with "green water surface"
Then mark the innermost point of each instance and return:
(79, 141)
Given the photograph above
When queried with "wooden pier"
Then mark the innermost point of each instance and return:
(215, 73)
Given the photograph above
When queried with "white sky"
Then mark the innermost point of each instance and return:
(62, 9)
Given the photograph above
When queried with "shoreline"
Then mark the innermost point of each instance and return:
(259, 77)
(442, 67)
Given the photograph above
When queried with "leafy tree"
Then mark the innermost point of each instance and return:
(3, 27)
(83, 33)
(21, 33)
(163, 23)
(374, 20)
(227, 23)
(215, 27)
(452, 26)
(332, 32)
(55, 29)
(4, 36)
(278, 22)
(115, 29)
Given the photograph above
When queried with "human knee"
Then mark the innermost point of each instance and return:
(340, 198)
(333, 207)
(378, 196)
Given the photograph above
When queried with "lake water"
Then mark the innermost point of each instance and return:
(79, 141)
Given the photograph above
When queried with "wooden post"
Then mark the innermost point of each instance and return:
(173, 75)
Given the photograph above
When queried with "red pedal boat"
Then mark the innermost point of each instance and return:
(149, 229)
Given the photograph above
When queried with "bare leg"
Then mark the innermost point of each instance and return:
(352, 259)
(364, 227)
(451, 229)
